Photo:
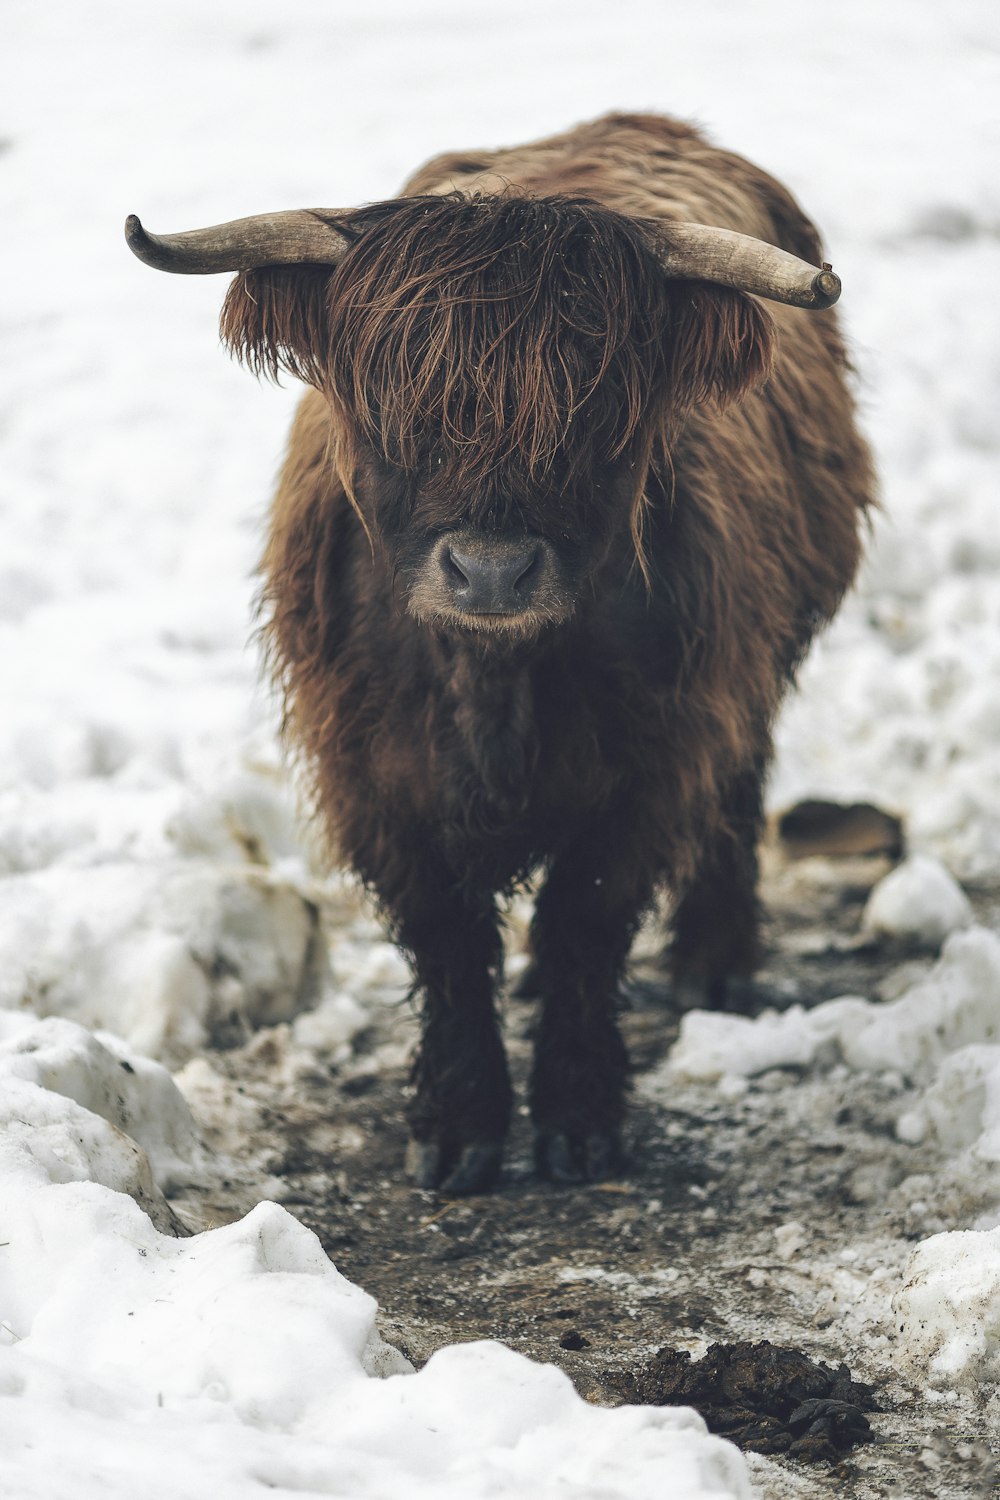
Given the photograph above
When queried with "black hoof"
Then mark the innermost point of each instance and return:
(562, 1157)
(473, 1169)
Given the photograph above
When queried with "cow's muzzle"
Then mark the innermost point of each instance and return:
(492, 578)
(481, 581)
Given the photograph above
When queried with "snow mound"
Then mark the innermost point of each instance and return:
(961, 1108)
(136, 1096)
(240, 1358)
(956, 1005)
(918, 901)
(948, 1310)
(60, 1102)
(171, 956)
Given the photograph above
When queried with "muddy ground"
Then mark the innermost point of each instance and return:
(750, 1217)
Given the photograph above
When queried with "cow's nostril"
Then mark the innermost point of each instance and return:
(454, 569)
(527, 571)
(492, 576)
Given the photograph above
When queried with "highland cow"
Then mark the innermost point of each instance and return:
(557, 522)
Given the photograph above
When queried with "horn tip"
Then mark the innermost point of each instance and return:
(826, 287)
(135, 235)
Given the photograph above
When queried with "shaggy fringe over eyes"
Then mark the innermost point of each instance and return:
(486, 331)
(504, 335)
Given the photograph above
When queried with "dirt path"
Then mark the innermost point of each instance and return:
(757, 1216)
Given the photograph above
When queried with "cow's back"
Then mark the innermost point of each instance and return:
(647, 166)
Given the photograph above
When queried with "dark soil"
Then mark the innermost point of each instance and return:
(760, 1396)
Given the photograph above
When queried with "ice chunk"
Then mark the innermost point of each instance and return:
(948, 1310)
(919, 901)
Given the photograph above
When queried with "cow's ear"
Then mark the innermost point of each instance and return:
(719, 343)
(276, 319)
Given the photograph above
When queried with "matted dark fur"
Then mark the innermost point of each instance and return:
(656, 488)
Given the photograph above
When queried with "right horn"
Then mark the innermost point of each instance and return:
(298, 236)
(699, 252)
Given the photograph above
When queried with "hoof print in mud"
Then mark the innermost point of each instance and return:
(457, 1172)
(763, 1398)
(562, 1157)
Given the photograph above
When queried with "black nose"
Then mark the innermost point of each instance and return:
(492, 578)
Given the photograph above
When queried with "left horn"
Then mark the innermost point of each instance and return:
(300, 236)
(702, 253)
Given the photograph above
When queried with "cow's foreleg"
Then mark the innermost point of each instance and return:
(717, 921)
(460, 1109)
(585, 918)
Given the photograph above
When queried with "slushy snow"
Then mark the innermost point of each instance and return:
(941, 1037)
(949, 1311)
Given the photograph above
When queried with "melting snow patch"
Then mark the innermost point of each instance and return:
(170, 955)
(941, 1037)
(948, 1310)
(955, 1005)
(136, 1096)
(918, 901)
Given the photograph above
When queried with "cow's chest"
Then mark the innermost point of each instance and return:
(502, 765)
(523, 761)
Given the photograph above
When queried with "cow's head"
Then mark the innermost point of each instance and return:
(500, 370)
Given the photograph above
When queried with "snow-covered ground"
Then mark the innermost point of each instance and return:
(155, 884)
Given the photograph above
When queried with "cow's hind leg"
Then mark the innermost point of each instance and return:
(586, 916)
(716, 926)
(460, 1109)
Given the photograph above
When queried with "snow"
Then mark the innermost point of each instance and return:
(241, 1355)
(955, 1005)
(172, 954)
(159, 893)
(949, 1310)
(920, 901)
(938, 1046)
(941, 1037)
(106, 1079)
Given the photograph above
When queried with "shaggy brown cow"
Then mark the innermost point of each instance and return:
(556, 525)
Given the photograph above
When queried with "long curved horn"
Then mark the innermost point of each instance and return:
(304, 236)
(703, 253)
(299, 236)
